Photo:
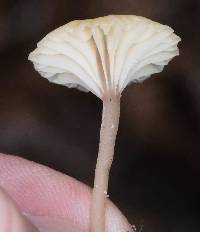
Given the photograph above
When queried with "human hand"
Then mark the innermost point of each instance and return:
(36, 198)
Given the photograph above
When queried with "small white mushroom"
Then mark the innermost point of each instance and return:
(104, 55)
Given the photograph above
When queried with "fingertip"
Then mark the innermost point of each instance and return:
(116, 221)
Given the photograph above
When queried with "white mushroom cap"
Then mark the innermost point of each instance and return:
(105, 54)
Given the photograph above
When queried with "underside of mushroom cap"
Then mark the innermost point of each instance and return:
(105, 54)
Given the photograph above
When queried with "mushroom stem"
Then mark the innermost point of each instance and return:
(108, 132)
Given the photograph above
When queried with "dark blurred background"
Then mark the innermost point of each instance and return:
(155, 178)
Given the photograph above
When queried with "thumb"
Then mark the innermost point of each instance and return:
(51, 199)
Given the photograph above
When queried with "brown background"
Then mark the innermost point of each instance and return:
(155, 178)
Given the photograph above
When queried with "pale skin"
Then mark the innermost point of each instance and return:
(36, 198)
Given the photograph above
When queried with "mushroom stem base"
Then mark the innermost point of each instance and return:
(108, 132)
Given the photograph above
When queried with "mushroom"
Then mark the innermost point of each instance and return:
(104, 55)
